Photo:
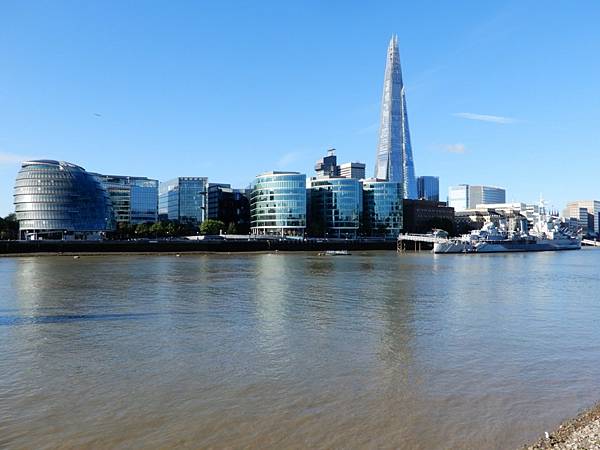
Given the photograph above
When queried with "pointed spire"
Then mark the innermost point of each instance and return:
(394, 160)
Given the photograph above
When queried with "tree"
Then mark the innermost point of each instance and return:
(157, 229)
(211, 226)
(231, 228)
(9, 227)
(142, 229)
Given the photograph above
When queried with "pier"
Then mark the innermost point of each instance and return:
(419, 241)
(590, 242)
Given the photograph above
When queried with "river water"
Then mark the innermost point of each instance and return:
(375, 350)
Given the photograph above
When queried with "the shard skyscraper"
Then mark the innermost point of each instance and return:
(394, 152)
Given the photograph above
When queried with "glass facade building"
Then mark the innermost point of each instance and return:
(278, 204)
(334, 206)
(134, 199)
(587, 213)
(382, 208)
(428, 188)
(458, 197)
(394, 160)
(59, 200)
(183, 199)
(484, 195)
(464, 196)
(230, 206)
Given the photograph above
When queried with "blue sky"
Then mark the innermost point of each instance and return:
(501, 93)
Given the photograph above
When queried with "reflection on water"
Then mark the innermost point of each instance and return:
(296, 350)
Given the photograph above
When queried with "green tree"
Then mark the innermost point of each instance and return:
(211, 226)
(142, 230)
(159, 229)
(231, 228)
(9, 227)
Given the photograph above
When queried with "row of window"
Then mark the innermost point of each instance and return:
(278, 224)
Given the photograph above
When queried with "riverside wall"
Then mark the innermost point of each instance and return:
(185, 246)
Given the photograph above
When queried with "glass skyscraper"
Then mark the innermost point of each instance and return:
(183, 199)
(394, 160)
(278, 204)
(58, 200)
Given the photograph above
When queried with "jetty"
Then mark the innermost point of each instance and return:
(419, 241)
(591, 243)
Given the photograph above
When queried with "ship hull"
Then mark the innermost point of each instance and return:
(460, 246)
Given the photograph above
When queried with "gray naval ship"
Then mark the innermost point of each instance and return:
(546, 235)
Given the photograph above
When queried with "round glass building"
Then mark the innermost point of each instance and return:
(278, 204)
(59, 200)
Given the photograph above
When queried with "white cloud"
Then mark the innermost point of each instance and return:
(485, 118)
(455, 148)
(288, 159)
(10, 159)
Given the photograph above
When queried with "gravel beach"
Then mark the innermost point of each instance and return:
(582, 432)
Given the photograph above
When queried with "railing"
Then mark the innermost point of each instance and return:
(422, 238)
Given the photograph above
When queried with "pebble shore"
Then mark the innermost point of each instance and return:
(582, 432)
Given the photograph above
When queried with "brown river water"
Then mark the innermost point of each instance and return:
(371, 350)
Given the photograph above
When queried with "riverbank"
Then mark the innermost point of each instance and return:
(582, 432)
(15, 248)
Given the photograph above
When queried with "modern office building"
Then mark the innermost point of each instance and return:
(327, 166)
(354, 170)
(484, 195)
(464, 196)
(183, 199)
(428, 188)
(59, 200)
(382, 208)
(394, 161)
(278, 204)
(334, 207)
(230, 206)
(421, 216)
(587, 212)
(458, 197)
(134, 199)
